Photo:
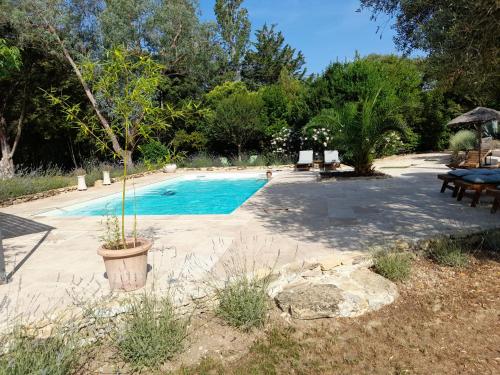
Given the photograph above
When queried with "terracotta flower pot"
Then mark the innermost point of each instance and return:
(127, 269)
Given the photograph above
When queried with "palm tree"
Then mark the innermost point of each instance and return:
(358, 127)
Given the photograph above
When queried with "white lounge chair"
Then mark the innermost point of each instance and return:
(305, 160)
(332, 160)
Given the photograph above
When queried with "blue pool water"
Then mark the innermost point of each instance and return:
(180, 196)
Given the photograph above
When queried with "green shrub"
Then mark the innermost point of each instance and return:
(393, 266)
(153, 332)
(30, 355)
(38, 180)
(153, 152)
(448, 252)
(190, 142)
(201, 160)
(24, 185)
(243, 302)
(464, 140)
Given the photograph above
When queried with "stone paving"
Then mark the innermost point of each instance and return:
(293, 218)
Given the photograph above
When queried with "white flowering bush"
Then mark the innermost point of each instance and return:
(390, 144)
(318, 139)
(282, 142)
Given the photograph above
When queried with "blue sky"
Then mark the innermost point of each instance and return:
(325, 30)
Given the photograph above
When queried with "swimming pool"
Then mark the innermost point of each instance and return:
(188, 195)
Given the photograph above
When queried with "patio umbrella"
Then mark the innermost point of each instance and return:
(477, 117)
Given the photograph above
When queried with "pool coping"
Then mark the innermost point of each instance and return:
(45, 213)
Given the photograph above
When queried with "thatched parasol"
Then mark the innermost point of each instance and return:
(477, 117)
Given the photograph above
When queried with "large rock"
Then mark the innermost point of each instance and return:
(345, 291)
(305, 302)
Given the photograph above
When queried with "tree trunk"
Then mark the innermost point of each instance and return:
(6, 162)
(363, 169)
(104, 122)
(239, 152)
(127, 157)
(6, 166)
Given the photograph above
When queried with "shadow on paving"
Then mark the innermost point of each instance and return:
(12, 226)
(357, 214)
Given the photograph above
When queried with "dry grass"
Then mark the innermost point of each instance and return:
(443, 323)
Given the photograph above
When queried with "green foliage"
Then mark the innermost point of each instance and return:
(463, 140)
(263, 66)
(10, 59)
(238, 119)
(449, 252)
(399, 81)
(277, 107)
(25, 183)
(392, 265)
(391, 144)
(243, 302)
(189, 142)
(173, 156)
(224, 91)
(460, 37)
(153, 151)
(27, 354)
(201, 160)
(436, 110)
(126, 86)
(358, 127)
(234, 28)
(153, 332)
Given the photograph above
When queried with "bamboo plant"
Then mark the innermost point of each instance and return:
(125, 88)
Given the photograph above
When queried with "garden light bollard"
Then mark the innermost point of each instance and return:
(3, 273)
(106, 180)
(81, 183)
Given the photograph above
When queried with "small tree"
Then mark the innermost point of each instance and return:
(358, 127)
(238, 119)
(125, 87)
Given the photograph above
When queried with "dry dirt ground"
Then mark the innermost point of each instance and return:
(446, 321)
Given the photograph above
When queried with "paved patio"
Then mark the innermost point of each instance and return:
(53, 260)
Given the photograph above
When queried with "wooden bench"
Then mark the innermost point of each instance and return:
(447, 179)
(495, 193)
(471, 190)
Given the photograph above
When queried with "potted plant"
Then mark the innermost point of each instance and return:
(125, 259)
(80, 175)
(106, 178)
(128, 84)
(171, 159)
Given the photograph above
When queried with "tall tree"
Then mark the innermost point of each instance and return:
(234, 27)
(460, 37)
(263, 65)
(10, 62)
